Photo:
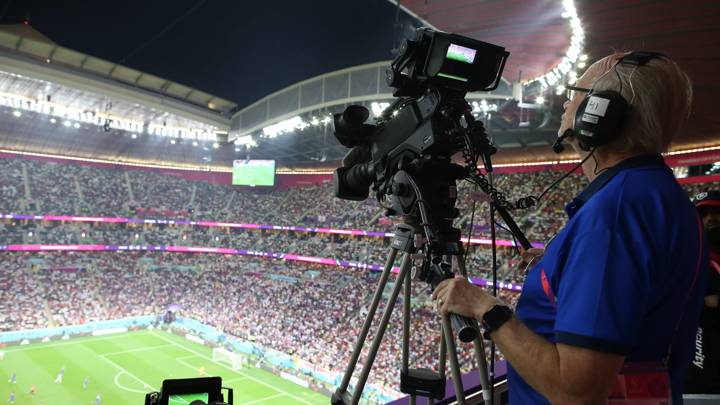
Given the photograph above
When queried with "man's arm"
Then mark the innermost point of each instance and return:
(562, 373)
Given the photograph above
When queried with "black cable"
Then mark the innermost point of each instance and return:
(493, 236)
(515, 242)
(595, 170)
(563, 177)
(164, 30)
(470, 231)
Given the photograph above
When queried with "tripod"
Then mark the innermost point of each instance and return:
(432, 239)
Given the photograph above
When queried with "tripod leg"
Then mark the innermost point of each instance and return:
(478, 345)
(482, 367)
(368, 321)
(406, 329)
(442, 360)
(454, 365)
(404, 269)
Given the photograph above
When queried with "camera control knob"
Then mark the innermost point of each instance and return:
(400, 190)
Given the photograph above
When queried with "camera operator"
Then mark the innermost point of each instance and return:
(619, 284)
(704, 372)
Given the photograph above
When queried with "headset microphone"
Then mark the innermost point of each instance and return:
(558, 146)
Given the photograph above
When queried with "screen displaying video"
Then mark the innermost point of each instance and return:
(461, 53)
(187, 398)
(253, 173)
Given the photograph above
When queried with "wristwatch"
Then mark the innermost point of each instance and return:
(495, 318)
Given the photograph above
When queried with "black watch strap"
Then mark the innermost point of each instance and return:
(495, 318)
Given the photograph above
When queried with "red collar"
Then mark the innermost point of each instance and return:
(715, 261)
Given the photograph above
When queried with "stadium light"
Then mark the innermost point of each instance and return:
(102, 119)
(572, 54)
(245, 140)
(271, 131)
(378, 108)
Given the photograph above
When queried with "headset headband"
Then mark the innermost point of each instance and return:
(640, 58)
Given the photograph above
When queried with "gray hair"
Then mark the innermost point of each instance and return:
(659, 94)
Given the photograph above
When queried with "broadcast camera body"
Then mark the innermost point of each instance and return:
(406, 157)
(420, 132)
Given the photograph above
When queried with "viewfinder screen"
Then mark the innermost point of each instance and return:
(461, 53)
(185, 399)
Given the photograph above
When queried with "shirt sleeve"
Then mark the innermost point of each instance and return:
(602, 292)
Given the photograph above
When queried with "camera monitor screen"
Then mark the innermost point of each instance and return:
(185, 399)
(253, 173)
(461, 53)
(187, 390)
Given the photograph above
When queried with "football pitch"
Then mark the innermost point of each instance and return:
(122, 368)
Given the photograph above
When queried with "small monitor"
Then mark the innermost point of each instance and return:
(187, 390)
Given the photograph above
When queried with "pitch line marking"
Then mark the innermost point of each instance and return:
(141, 349)
(146, 385)
(235, 380)
(124, 387)
(35, 346)
(185, 363)
(230, 368)
(264, 399)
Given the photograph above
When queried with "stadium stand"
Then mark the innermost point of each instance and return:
(322, 307)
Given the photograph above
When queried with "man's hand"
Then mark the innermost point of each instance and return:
(458, 296)
(529, 257)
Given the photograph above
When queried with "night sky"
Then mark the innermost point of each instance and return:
(240, 50)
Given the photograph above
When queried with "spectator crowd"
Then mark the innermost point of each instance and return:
(314, 312)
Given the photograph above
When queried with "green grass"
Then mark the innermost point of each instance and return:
(122, 368)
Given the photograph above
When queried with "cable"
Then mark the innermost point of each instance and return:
(470, 231)
(631, 85)
(563, 177)
(163, 31)
(515, 243)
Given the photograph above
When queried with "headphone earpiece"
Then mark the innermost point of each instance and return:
(599, 118)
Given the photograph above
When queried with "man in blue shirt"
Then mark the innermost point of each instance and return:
(621, 283)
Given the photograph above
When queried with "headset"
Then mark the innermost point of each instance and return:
(601, 114)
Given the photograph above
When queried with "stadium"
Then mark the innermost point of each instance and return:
(151, 229)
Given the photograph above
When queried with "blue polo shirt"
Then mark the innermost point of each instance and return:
(621, 274)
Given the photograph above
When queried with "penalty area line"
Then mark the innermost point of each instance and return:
(144, 384)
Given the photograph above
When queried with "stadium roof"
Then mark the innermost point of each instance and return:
(30, 43)
(85, 106)
(534, 33)
(541, 35)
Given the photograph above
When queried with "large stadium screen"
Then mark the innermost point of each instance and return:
(253, 173)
